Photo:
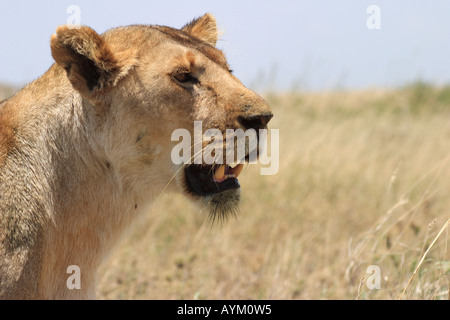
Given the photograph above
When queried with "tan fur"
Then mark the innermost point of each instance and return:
(6, 134)
(86, 148)
(204, 28)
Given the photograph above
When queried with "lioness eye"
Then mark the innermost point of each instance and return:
(185, 78)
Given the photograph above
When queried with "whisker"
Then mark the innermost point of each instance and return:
(182, 167)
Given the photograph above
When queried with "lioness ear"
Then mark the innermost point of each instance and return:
(203, 28)
(86, 57)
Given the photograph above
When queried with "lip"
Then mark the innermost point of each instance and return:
(204, 181)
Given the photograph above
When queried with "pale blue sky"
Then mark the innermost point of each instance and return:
(316, 44)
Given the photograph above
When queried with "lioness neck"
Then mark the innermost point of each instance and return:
(88, 209)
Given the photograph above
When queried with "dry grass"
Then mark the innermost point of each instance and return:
(364, 180)
(6, 91)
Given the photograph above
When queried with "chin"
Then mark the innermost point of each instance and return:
(216, 187)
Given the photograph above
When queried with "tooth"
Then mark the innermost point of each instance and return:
(237, 170)
(219, 175)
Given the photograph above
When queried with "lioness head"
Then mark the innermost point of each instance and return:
(139, 84)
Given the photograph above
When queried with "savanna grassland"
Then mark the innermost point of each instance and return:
(364, 180)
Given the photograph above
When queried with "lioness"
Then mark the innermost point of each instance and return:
(86, 148)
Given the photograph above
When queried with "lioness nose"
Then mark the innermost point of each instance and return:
(256, 122)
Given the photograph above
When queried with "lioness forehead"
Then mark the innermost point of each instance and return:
(184, 39)
(189, 41)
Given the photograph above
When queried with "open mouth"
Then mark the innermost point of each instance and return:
(209, 180)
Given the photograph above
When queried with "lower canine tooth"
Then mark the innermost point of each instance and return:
(237, 170)
(219, 175)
